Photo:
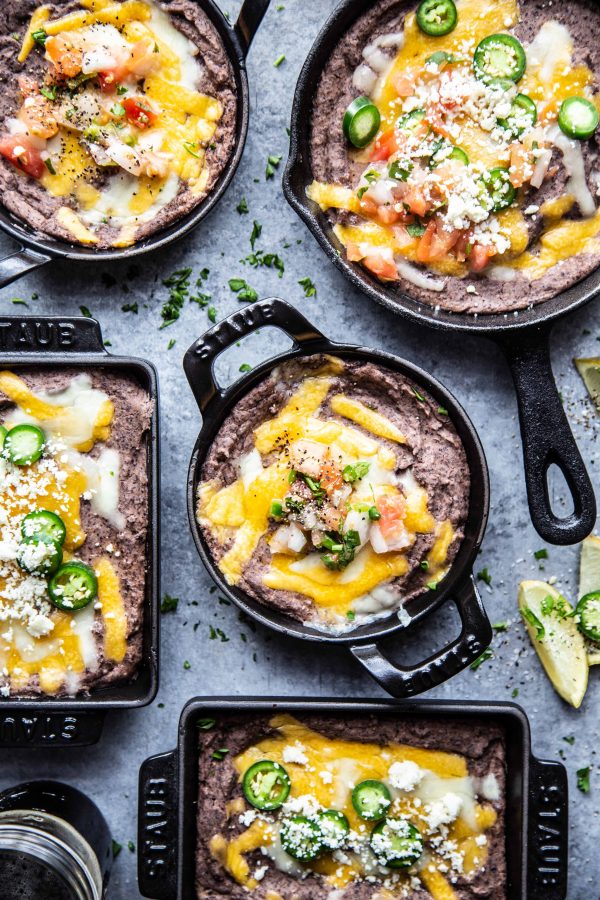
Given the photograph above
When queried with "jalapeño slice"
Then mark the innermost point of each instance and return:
(499, 56)
(444, 152)
(266, 785)
(24, 444)
(335, 828)
(588, 610)
(39, 554)
(301, 838)
(409, 121)
(361, 121)
(3, 433)
(522, 115)
(437, 17)
(501, 191)
(46, 523)
(371, 800)
(578, 118)
(396, 843)
(73, 586)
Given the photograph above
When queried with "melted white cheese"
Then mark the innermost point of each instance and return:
(114, 203)
(551, 47)
(186, 50)
(574, 164)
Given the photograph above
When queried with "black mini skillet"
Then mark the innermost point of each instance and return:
(37, 249)
(365, 641)
(523, 337)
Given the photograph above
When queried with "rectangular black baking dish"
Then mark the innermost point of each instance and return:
(44, 721)
(536, 807)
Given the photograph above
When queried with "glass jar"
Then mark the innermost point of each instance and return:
(54, 843)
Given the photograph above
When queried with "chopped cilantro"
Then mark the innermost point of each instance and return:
(256, 233)
(272, 164)
(179, 288)
(352, 473)
(116, 849)
(530, 616)
(171, 344)
(242, 206)
(130, 307)
(40, 37)
(48, 92)
(487, 654)
(569, 738)
(541, 554)
(351, 615)
(442, 411)
(50, 166)
(131, 846)
(187, 664)
(169, 604)
(500, 626)
(241, 287)
(211, 312)
(18, 302)
(515, 692)
(279, 60)
(309, 288)
(117, 110)
(121, 89)
(269, 260)
(485, 576)
(424, 564)
(583, 780)
(85, 312)
(432, 585)
(419, 396)
(245, 367)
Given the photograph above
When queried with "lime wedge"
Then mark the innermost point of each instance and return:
(589, 369)
(589, 581)
(556, 639)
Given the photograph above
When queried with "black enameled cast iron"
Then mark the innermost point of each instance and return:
(523, 337)
(37, 249)
(76, 342)
(536, 825)
(458, 585)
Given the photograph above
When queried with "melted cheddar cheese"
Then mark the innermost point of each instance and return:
(342, 432)
(323, 772)
(37, 641)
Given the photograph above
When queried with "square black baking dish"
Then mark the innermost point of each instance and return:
(536, 825)
(54, 342)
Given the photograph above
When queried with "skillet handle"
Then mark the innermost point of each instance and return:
(158, 827)
(17, 264)
(400, 681)
(50, 334)
(248, 22)
(548, 831)
(199, 360)
(547, 439)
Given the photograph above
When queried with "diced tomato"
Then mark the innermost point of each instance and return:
(139, 112)
(424, 248)
(416, 201)
(436, 244)
(403, 85)
(391, 508)
(520, 169)
(402, 237)
(368, 207)
(388, 215)
(479, 257)
(353, 253)
(331, 477)
(67, 58)
(110, 80)
(462, 245)
(20, 151)
(385, 145)
(383, 268)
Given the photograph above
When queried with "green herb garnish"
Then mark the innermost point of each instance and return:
(272, 164)
(530, 616)
(352, 473)
(487, 654)
(309, 288)
(169, 604)
(583, 779)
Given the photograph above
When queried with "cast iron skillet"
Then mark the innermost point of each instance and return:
(364, 642)
(37, 249)
(34, 342)
(537, 825)
(524, 337)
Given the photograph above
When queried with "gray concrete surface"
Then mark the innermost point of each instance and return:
(259, 663)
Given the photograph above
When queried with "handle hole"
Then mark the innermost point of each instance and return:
(250, 351)
(426, 638)
(559, 493)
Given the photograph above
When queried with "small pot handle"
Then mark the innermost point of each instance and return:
(199, 360)
(158, 827)
(548, 831)
(400, 681)
(50, 334)
(17, 264)
(547, 439)
(248, 22)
